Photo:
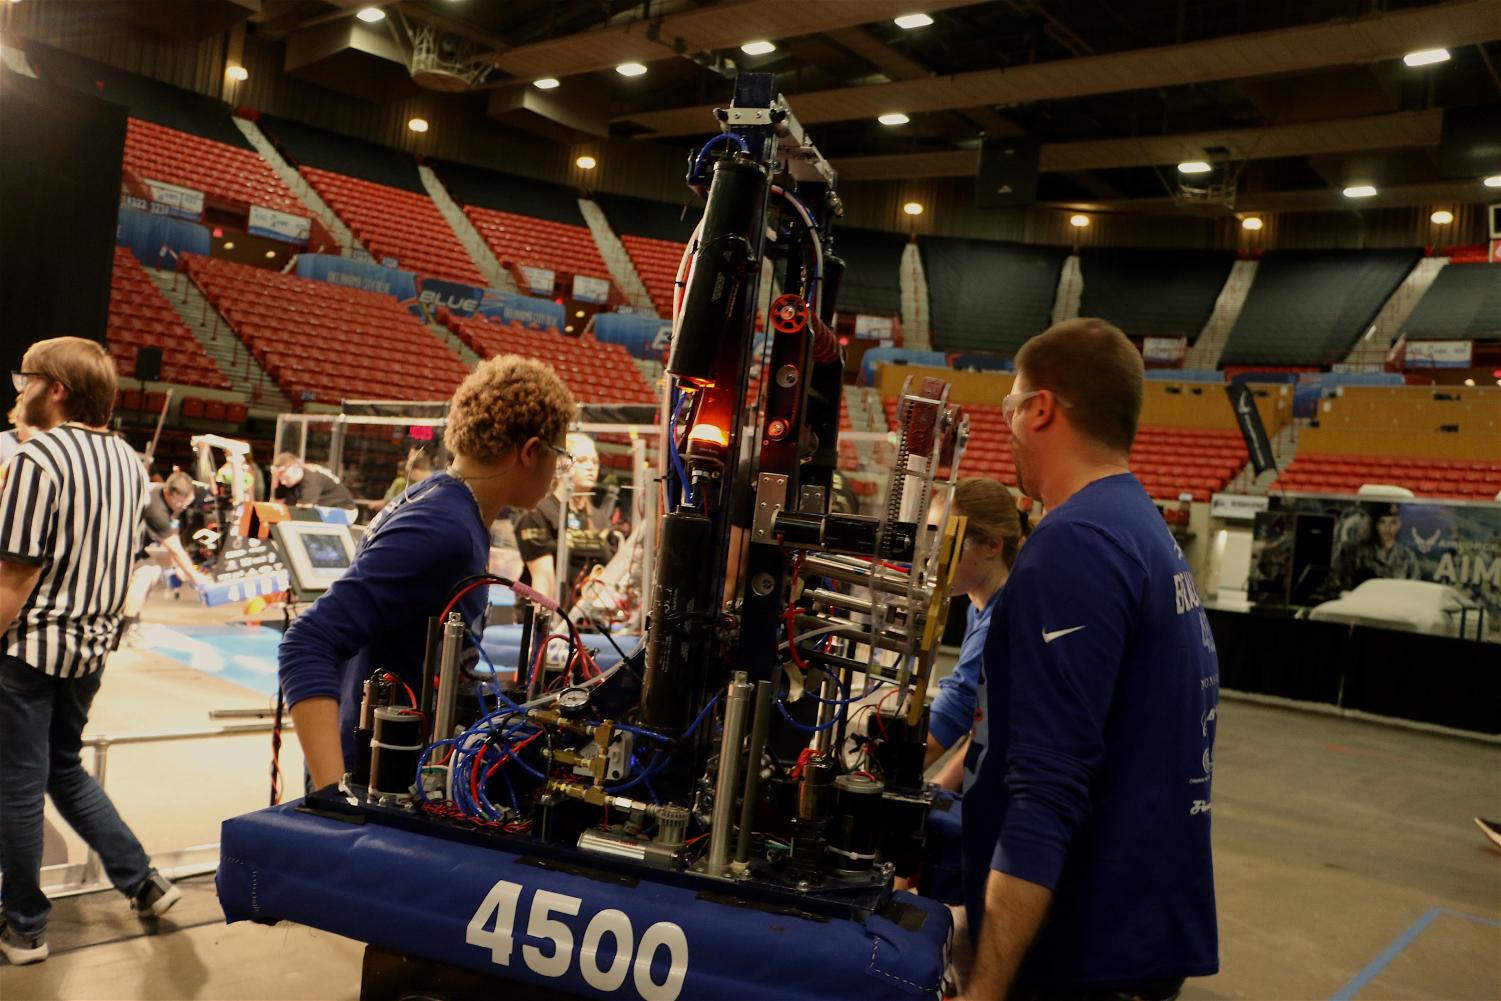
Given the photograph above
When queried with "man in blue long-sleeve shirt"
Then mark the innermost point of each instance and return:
(1086, 818)
(505, 431)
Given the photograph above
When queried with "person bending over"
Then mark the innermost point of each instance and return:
(164, 503)
(1087, 866)
(505, 431)
(70, 522)
(306, 484)
(992, 536)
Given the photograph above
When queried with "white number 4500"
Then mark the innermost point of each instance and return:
(500, 905)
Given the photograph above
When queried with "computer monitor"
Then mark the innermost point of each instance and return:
(315, 554)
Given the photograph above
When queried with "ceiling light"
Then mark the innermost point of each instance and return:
(1494, 181)
(910, 21)
(893, 118)
(270, 254)
(631, 69)
(1078, 221)
(578, 314)
(913, 208)
(1469, 382)
(229, 245)
(1426, 57)
(546, 83)
(1443, 217)
(757, 48)
(586, 163)
(417, 124)
(371, 14)
(568, 329)
(1194, 167)
(1360, 191)
(236, 73)
(1251, 222)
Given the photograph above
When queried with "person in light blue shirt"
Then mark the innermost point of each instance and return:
(1088, 868)
(992, 536)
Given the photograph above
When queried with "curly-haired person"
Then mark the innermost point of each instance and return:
(505, 429)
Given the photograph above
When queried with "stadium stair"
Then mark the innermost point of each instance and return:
(1070, 290)
(616, 258)
(1204, 353)
(496, 276)
(219, 342)
(298, 185)
(916, 315)
(1371, 349)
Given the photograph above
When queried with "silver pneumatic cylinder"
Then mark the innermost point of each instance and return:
(737, 700)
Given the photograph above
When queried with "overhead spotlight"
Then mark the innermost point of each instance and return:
(910, 21)
(1194, 167)
(1442, 217)
(270, 254)
(1078, 221)
(546, 83)
(1469, 382)
(1360, 191)
(631, 69)
(229, 245)
(568, 329)
(1494, 181)
(417, 124)
(586, 162)
(370, 15)
(893, 118)
(913, 208)
(236, 72)
(757, 48)
(1252, 222)
(1426, 57)
(578, 314)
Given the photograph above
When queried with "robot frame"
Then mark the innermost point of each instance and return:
(732, 754)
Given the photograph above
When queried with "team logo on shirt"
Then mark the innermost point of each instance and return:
(1048, 637)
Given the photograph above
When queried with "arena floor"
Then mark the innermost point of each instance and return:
(1347, 862)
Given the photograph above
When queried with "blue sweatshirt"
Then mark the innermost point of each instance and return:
(1091, 763)
(375, 616)
(953, 711)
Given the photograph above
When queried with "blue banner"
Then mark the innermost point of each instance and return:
(358, 274)
(643, 336)
(156, 240)
(907, 356)
(468, 300)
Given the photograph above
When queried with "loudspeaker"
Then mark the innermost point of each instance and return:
(149, 364)
(1008, 172)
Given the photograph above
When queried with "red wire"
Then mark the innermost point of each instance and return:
(411, 696)
(881, 720)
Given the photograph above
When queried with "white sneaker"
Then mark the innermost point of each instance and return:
(18, 949)
(155, 897)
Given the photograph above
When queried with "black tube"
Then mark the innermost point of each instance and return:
(429, 672)
(852, 836)
(524, 657)
(682, 621)
(760, 725)
(394, 751)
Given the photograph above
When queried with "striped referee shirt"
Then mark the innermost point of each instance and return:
(72, 503)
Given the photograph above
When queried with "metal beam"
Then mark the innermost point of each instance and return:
(1371, 38)
(1309, 200)
(1374, 132)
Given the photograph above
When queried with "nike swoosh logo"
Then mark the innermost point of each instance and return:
(1048, 637)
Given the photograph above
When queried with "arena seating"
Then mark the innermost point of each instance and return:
(236, 178)
(140, 316)
(657, 263)
(595, 371)
(1153, 292)
(324, 342)
(1447, 479)
(518, 240)
(1308, 307)
(210, 409)
(988, 295)
(1169, 461)
(1463, 303)
(392, 222)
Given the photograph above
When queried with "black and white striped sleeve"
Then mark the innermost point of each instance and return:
(28, 512)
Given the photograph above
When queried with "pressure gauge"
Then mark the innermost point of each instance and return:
(573, 703)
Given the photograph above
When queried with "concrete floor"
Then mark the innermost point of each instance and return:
(1347, 863)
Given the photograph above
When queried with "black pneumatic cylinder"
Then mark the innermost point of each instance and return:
(720, 268)
(395, 750)
(852, 836)
(681, 623)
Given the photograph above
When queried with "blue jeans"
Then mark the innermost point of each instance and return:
(41, 738)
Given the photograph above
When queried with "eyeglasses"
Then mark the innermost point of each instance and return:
(1013, 401)
(19, 379)
(565, 457)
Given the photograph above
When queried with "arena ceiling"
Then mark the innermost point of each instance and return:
(1295, 98)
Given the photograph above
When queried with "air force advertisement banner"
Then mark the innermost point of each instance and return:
(364, 275)
(1456, 545)
(279, 225)
(1243, 401)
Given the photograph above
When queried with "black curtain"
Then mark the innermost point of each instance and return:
(59, 194)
